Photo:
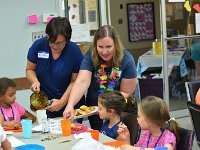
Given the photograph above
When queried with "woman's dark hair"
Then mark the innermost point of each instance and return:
(5, 83)
(115, 100)
(58, 26)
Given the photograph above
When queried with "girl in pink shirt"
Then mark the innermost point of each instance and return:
(12, 111)
(159, 129)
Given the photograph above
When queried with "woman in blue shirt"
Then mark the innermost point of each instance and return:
(106, 66)
(53, 63)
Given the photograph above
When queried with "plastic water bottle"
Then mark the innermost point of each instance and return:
(45, 126)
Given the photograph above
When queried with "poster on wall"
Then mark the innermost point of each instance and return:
(141, 23)
(80, 33)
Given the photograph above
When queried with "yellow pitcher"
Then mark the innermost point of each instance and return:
(38, 100)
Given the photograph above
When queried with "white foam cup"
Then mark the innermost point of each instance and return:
(40, 115)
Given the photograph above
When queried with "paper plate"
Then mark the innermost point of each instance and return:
(85, 128)
(89, 114)
(8, 132)
(115, 143)
(12, 130)
(30, 147)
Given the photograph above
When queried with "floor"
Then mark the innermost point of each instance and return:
(177, 103)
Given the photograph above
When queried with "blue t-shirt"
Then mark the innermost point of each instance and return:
(111, 132)
(127, 69)
(54, 75)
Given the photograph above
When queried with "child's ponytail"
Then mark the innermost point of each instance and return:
(173, 126)
(131, 104)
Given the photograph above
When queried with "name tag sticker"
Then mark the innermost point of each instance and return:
(42, 54)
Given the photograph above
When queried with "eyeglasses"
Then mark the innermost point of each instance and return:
(58, 44)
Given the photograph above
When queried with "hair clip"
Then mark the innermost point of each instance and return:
(125, 100)
(171, 119)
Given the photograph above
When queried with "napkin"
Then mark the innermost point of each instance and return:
(14, 141)
(84, 135)
(88, 144)
(111, 148)
(37, 128)
(8, 132)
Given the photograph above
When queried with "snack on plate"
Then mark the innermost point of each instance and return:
(81, 112)
(84, 110)
(87, 109)
(76, 127)
(76, 112)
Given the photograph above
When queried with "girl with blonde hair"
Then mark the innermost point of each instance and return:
(159, 128)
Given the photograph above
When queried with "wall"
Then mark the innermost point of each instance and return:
(16, 32)
(185, 19)
(136, 48)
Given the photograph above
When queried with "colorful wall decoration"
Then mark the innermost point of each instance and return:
(141, 21)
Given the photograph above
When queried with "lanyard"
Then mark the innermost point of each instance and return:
(162, 130)
(108, 132)
(13, 117)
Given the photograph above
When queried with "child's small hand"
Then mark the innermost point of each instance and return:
(124, 134)
(12, 124)
(123, 129)
(127, 147)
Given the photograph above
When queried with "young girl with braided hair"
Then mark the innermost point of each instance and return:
(110, 106)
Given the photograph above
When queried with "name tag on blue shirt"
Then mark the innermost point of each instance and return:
(42, 54)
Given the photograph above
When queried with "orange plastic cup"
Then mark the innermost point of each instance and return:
(66, 127)
(95, 134)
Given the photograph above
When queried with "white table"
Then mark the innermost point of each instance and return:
(175, 58)
(54, 144)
